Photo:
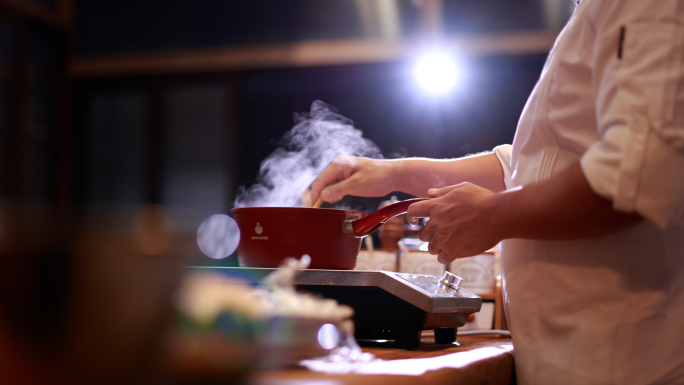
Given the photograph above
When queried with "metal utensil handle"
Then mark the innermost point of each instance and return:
(364, 226)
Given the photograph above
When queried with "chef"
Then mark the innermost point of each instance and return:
(587, 201)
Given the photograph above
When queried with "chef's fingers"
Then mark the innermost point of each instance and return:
(418, 210)
(433, 247)
(328, 176)
(443, 258)
(337, 191)
(439, 192)
(340, 169)
(425, 234)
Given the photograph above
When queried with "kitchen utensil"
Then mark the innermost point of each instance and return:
(318, 202)
(331, 237)
(387, 305)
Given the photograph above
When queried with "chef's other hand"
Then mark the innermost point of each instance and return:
(460, 222)
(349, 175)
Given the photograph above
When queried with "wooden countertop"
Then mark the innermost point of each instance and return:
(479, 360)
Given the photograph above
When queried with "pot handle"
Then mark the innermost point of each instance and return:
(361, 227)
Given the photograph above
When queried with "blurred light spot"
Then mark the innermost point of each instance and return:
(437, 72)
(328, 336)
(424, 247)
(218, 236)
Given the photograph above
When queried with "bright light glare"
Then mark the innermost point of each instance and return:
(437, 72)
(218, 236)
(328, 336)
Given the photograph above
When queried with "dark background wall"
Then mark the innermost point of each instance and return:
(190, 140)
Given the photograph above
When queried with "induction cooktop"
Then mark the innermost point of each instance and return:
(387, 305)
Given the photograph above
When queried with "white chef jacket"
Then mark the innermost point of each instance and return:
(609, 309)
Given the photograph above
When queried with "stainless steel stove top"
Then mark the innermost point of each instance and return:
(388, 305)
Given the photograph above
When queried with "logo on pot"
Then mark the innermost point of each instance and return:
(259, 229)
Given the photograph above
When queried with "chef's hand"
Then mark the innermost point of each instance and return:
(460, 222)
(349, 175)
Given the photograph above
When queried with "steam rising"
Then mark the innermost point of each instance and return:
(316, 139)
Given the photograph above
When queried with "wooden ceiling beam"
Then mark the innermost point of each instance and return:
(304, 54)
(59, 18)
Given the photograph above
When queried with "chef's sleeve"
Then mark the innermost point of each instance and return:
(638, 162)
(503, 153)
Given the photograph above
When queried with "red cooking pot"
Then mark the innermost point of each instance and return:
(331, 237)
